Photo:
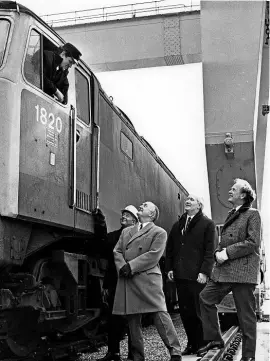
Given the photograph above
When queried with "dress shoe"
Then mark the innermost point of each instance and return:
(189, 350)
(110, 357)
(210, 346)
(129, 356)
(247, 359)
(176, 358)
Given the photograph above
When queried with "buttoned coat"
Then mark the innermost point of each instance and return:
(241, 236)
(191, 252)
(142, 249)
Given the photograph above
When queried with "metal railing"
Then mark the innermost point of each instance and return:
(118, 12)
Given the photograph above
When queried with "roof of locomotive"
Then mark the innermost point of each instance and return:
(14, 6)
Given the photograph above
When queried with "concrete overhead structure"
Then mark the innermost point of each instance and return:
(143, 42)
(235, 56)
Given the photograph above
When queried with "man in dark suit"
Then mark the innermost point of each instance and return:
(140, 286)
(189, 262)
(237, 270)
(55, 70)
(116, 324)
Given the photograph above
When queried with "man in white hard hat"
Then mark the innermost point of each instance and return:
(116, 324)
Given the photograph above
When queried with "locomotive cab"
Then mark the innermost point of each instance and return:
(50, 278)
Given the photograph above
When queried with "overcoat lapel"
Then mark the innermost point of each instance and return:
(231, 218)
(194, 220)
(135, 233)
(183, 219)
(182, 222)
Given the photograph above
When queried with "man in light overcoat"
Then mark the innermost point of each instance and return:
(236, 269)
(140, 287)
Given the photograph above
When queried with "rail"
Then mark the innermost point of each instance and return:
(232, 340)
(117, 12)
(64, 349)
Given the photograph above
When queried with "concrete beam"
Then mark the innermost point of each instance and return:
(159, 40)
(232, 51)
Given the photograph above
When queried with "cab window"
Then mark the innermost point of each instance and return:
(4, 30)
(32, 64)
(38, 45)
(82, 97)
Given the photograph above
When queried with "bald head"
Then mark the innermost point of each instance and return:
(193, 204)
(148, 212)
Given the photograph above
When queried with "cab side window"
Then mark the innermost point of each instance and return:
(32, 64)
(38, 45)
(82, 97)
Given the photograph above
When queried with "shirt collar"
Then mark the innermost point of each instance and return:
(144, 224)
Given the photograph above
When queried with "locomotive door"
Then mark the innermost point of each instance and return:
(83, 198)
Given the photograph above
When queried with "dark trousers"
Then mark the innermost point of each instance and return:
(189, 308)
(117, 326)
(243, 294)
(165, 328)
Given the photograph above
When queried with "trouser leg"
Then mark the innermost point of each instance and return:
(189, 309)
(246, 310)
(185, 309)
(195, 289)
(114, 334)
(167, 332)
(211, 295)
(130, 354)
(135, 329)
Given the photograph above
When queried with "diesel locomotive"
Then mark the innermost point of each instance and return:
(59, 164)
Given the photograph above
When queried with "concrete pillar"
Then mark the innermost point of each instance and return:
(232, 48)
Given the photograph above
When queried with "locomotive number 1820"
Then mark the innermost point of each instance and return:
(48, 119)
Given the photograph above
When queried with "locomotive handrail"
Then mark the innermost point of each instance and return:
(116, 12)
(98, 165)
(73, 156)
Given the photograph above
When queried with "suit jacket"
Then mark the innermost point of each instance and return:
(192, 252)
(241, 236)
(143, 292)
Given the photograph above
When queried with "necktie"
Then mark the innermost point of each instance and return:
(232, 212)
(187, 224)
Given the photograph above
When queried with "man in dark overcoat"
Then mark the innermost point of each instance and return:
(189, 262)
(140, 286)
(116, 324)
(55, 70)
(236, 269)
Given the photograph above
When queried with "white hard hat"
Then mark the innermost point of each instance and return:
(131, 209)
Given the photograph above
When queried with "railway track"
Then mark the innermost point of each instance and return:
(71, 350)
(232, 339)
